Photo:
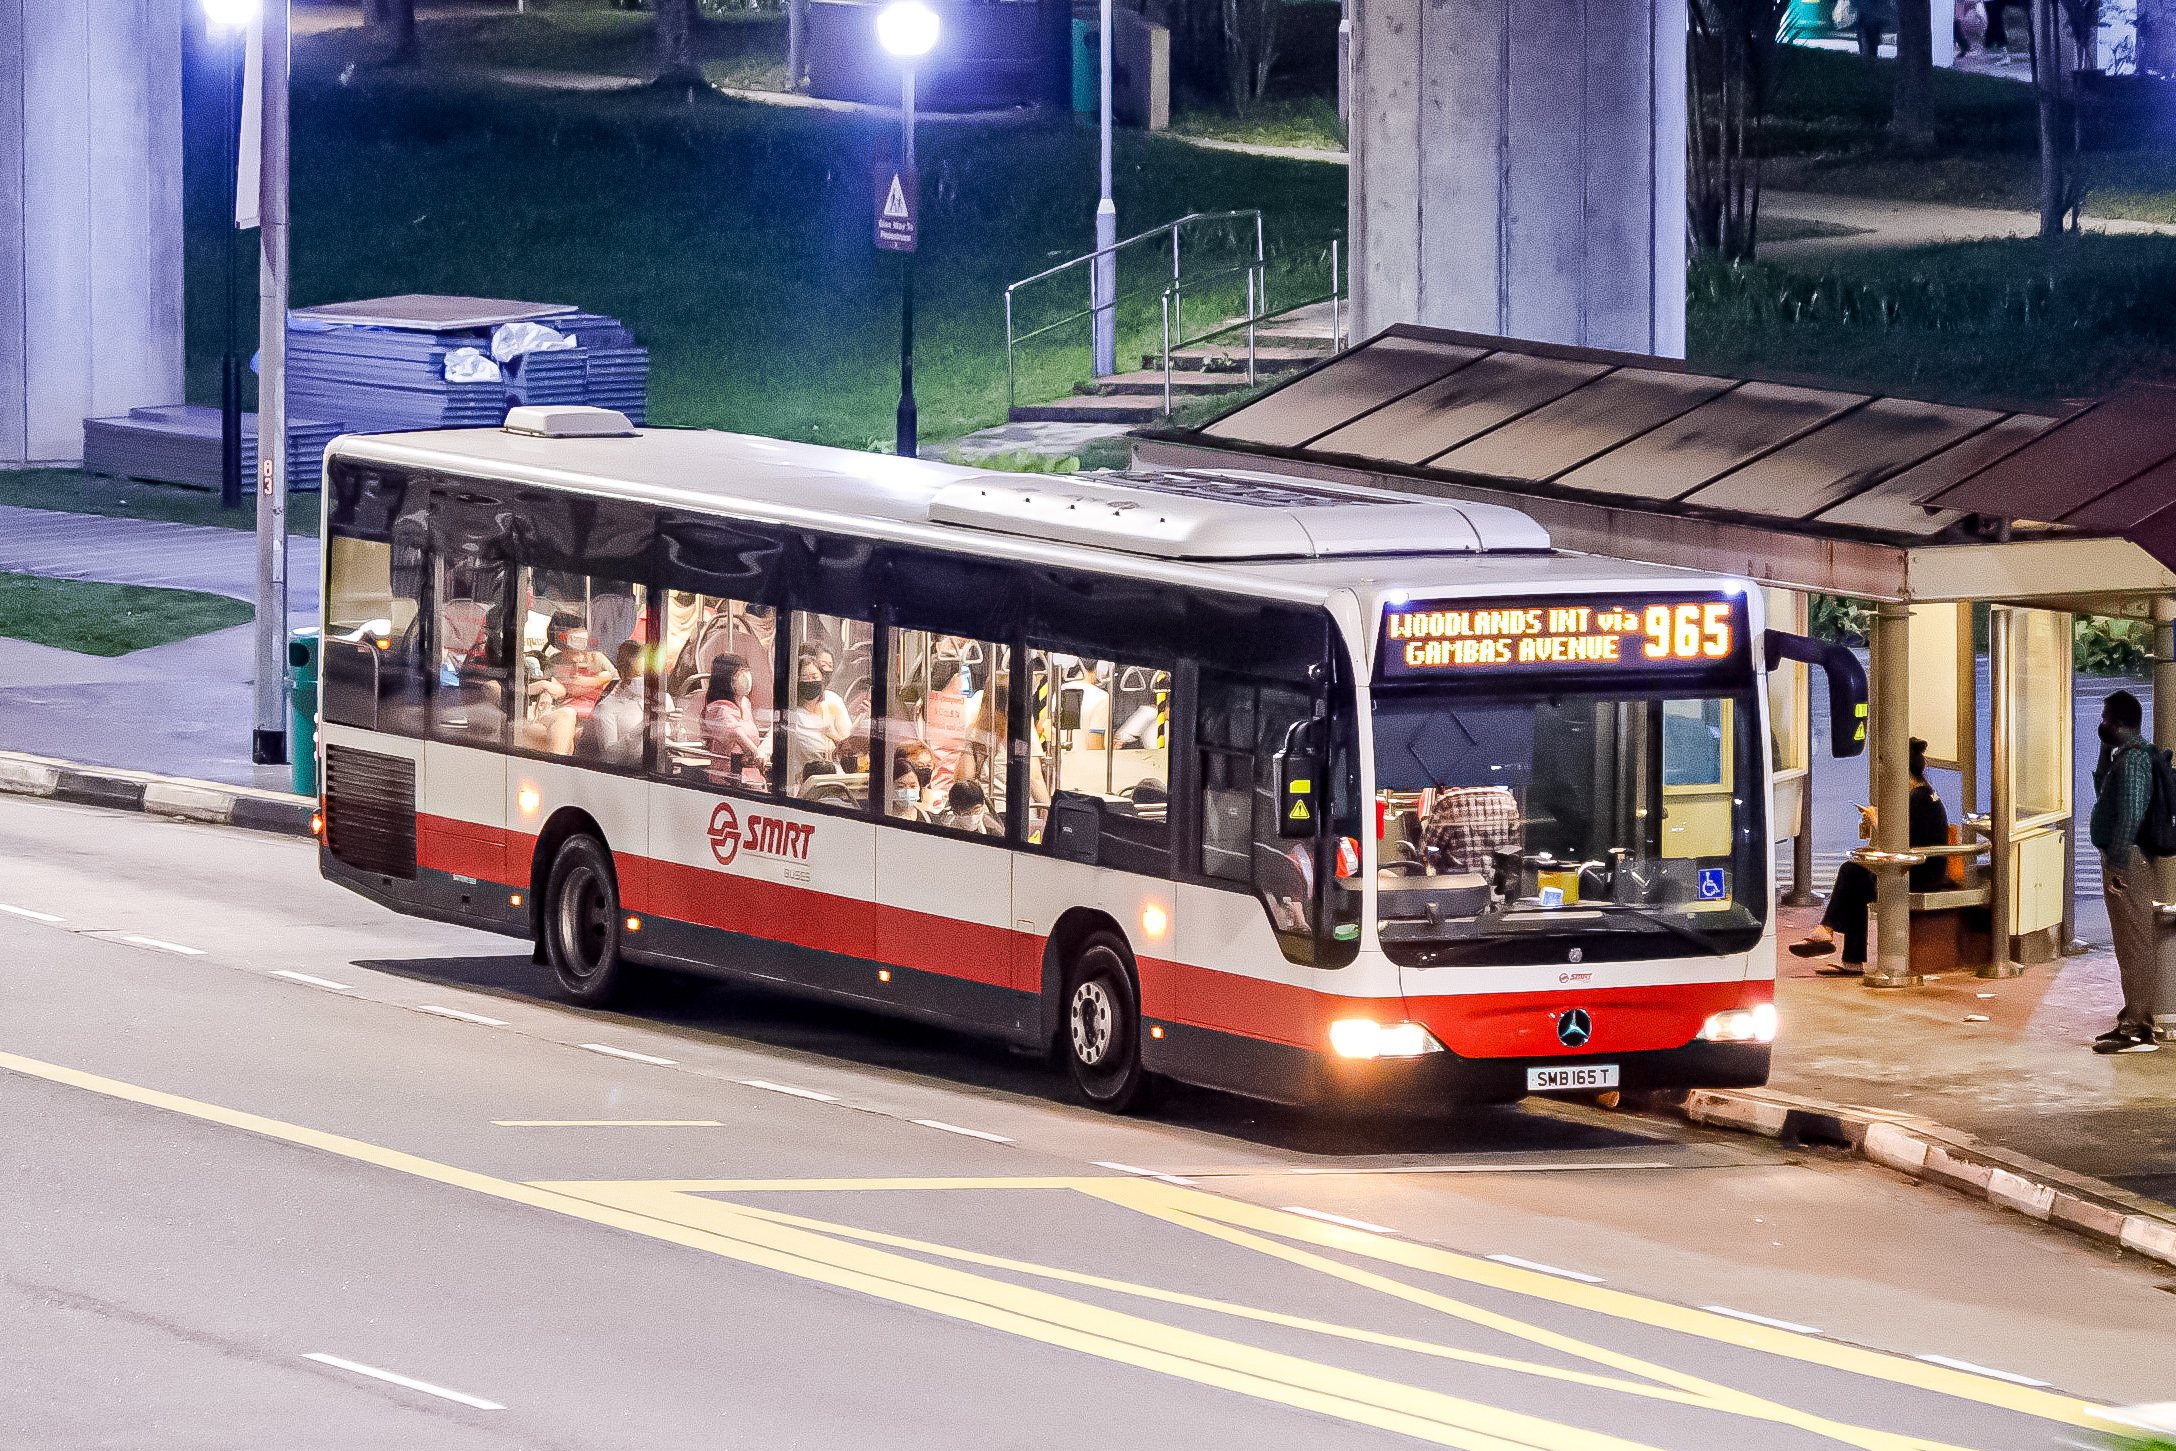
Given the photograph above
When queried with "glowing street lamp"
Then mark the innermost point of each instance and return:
(907, 29)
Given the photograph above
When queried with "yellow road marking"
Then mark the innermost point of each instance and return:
(672, 1211)
(1164, 1200)
(606, 1123)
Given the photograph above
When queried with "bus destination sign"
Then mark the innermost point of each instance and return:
(1486, 637)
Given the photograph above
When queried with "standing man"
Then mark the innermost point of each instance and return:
(2122, 790)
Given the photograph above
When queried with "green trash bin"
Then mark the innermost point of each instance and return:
(302, 710)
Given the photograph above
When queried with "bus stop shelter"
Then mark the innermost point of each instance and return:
(1923, 509)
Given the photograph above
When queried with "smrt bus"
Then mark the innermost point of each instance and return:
(1310, 793)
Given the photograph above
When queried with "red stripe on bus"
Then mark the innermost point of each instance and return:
(1622, 1019)
(462, 848)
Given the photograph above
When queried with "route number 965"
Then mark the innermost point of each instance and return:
(1687, 632)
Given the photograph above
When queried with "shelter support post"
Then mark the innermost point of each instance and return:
(2164, 736)
(1802, 863)
(1892, 856)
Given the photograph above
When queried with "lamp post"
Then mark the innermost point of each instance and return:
(230, 23)
(907, 29)
(1103, 272)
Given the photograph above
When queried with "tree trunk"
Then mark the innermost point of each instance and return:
(796, 42)
(674, 36)
(1911, 113)
(2047, 77)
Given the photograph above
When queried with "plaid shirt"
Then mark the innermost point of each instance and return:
(2122, 790)
(1468, 823)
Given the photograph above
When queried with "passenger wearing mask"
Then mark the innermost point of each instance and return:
(967, 809)
(819, 721)
(948, 717)
(582, 672)
(731, 729)
(910, 777)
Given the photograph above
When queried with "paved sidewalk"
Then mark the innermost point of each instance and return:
(2025, 1079)
(1883, 222)
(184, 709)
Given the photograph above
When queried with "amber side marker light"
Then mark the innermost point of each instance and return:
(317, 823)
(634, 924)
(517, 899)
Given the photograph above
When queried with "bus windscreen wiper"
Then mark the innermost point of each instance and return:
(1702, 940)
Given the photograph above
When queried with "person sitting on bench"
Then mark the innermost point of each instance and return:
(1854, 889)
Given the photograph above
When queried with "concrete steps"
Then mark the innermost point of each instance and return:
(1282, 358)
(1130, 409)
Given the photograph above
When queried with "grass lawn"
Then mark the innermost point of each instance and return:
(1309, 121)
(735, 238)
(1964, 322)
(109, 619)
(73, 491)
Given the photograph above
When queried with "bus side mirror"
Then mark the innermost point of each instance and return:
(1846, 686)
(1299, 767)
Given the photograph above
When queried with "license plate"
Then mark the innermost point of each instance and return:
(1571, 1080)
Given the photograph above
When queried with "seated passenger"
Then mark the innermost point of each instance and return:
(731, 732)
(1468, 825)
(582, 672)
(969, 810)
(818, 721)
(616, 723)
(909, 780)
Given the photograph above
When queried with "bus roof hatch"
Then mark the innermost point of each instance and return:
(1230, 514)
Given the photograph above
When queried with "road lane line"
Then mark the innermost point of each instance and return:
(459, 1016)
(1328, 1218)
(1482, 1168)
(164, 946)
(1541, 1269)
(323, 982)
(1145, 1173)
(401, 1380)
(769, 1087)
(941, 1125)
(631, 1057)
(1970, 1369)
(1748, 1315)
(1182, 1354)
(26, 912)
(606, 1123)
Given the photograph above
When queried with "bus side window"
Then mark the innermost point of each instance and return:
(944, 731)
(715, 712)
(374, 670)
(1102, 728)
(471, 696)
(827, 719)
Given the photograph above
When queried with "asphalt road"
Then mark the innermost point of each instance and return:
(283, 1169)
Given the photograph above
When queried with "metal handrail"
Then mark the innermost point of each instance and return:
(1096, 305)
(1254, 318)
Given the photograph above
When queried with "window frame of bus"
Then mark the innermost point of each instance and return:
(880, 724)
(1729, 667)
(765, 584)
(398, 500)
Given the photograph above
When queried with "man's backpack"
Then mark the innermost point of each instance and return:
(2157, 829)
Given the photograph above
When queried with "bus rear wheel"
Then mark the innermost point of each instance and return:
(1100, 1034)
(582, 921)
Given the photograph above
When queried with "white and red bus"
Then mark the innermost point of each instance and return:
(1306, 792)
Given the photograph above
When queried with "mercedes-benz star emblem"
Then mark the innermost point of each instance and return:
(1574, 1028)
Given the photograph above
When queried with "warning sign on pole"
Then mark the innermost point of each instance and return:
(895, 208)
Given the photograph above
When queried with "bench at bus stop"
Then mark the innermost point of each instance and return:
(1952, 927)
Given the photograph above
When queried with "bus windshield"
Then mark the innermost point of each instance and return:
(1567, 826)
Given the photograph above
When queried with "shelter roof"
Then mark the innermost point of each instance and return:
(1807, 486)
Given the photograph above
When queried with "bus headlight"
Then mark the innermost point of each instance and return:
(1366, 1038)
(1756, 1024)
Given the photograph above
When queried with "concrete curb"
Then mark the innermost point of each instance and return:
(1929, 1151)
(177, 796)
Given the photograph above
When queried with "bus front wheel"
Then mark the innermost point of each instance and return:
(1101, 1032)
(582, 921)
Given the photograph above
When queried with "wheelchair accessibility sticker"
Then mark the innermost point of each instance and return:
(1714, 884)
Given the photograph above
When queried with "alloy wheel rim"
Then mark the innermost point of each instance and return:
(1092, 1017)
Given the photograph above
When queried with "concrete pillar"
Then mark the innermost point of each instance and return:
(90, 218)
(1518, 169)
(1892, 796)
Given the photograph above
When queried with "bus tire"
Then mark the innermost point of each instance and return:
(581, 922)
(1099, 1030)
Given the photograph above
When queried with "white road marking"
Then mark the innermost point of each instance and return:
(1516, 1263)
(769, 1087)
(26, 912)
(606, 1123)
(1969, 1368)
(938, 1123)
(630, 1057)
(401, 1380)
(1760, 1319)
(1483, 1168)
(323, 982)
(165, 946)
(457, 1014)
(1338, 1219)
(1144, 1173)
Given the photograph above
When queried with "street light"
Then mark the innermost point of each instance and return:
(907, 29)
(230, 20)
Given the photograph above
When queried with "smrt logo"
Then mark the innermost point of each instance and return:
(766, 836)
